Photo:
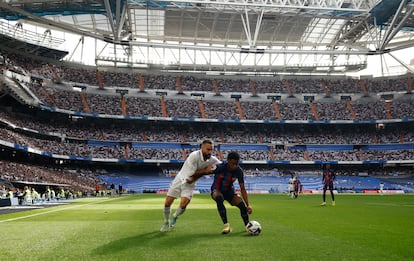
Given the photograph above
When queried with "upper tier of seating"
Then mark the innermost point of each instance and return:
(124, 93)
(135, 79)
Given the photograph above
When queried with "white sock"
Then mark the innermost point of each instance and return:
(179, 211)
(167, 211)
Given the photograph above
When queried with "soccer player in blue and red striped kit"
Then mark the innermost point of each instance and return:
(223, 189)
(327, 182)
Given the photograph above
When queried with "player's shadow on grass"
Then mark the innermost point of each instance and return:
(153, 238)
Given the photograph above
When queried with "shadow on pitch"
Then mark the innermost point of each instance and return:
(150, 239)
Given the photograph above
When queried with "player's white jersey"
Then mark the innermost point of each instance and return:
(291, 182)
(195, 161)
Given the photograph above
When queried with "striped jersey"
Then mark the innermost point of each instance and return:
(224, 179)
(328, 177)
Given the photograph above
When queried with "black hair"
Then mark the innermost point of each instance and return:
(325, 166)
(233, 156)
(206, 142)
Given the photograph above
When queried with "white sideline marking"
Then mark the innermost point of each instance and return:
(51, 211)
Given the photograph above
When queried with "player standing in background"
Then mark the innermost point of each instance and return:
(199, 162)
(291, 185)
(327, 182)
(223, 189)
(112, 187)
(297, 186)
(381, 188)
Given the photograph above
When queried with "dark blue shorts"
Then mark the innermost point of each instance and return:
(227, 195)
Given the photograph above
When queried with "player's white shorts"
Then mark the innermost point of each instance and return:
(181, 188)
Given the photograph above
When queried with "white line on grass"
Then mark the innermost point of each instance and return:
(51, 211)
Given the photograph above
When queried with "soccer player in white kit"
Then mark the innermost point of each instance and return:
(198, 163)
(291, 186)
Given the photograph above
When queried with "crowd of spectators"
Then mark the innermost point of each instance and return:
(268, 85)
(79, 179)
(227, 109)
(283, 150)
(365, 155)
(131, 79)
(147, 132)
(183, 108)
(223, 109)
(334, 110)
(143, 106)
(59, 137)
(252, 109)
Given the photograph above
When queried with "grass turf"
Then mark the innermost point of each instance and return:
(359, 227)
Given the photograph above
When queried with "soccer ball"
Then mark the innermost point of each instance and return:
(253, 228)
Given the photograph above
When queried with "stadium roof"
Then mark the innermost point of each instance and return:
(277, 35)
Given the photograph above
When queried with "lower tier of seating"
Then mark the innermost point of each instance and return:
(270, 184)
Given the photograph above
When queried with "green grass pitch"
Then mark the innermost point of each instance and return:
(359, 227)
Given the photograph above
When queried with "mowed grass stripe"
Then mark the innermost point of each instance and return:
(369, 227)
(57, 208)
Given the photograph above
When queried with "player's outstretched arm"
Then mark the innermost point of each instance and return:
(245, 198)
(201, 172)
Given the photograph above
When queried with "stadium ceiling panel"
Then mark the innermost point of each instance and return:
(321, 32)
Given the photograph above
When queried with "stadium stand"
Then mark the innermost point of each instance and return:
(118, 121)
